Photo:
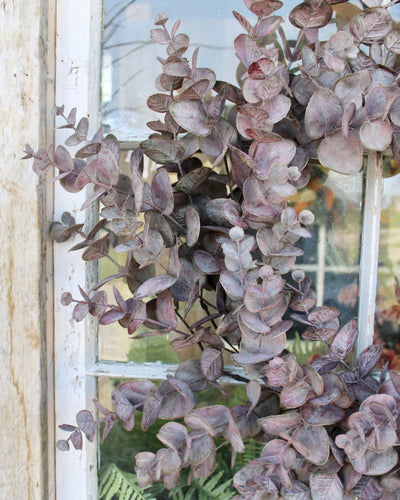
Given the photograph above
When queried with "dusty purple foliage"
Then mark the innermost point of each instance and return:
(330, 428)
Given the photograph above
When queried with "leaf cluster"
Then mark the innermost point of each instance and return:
(224, 229)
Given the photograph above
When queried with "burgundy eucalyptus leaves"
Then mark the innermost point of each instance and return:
(225, 230)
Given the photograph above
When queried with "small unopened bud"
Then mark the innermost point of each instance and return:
(265, 272)
(236, 233)
(298, 275)
(294, 173)
(160, 19)
(66, 299)
(306, 217)
(62, 445)
(67, 219)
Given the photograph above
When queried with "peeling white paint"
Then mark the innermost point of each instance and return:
(77, 85)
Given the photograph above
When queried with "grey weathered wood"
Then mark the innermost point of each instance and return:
(25, 78)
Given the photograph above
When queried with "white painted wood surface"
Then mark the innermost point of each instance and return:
(77, 85)
(152, 371)
(369, 250)
(25, 78)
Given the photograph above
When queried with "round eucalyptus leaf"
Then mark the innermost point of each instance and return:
(247, 49)
(375, 464)
(392, 41)
(326, 486)
(323, 114)
(340, 154)
(191, 115)
(162, 150)
(376, 103)
(263, 8)
(350, 88)
(395, 112)
(371, 24)
(376, 135)
(277, 108)
(311, 15)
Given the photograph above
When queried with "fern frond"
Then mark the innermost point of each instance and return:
(210, 489)
(109, 482)
(304, 349)
(252, 450)
(177, 493)
(113, 482)
(205, 488)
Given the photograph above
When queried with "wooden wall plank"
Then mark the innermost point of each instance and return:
(23, 340)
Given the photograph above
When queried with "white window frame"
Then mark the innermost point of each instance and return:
(78, 46)
(78, 56)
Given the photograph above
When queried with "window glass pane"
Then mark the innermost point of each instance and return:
(331, 256)
(129, 56)
(387, 324)
(129, 65)
(127, 81)
(114, 343)
(332, 253)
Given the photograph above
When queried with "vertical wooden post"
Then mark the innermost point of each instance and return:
(369, 250)
(321, 264)
(26, 82)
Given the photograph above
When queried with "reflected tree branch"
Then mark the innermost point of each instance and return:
(122, 86)
(144, 44)
(118, 13)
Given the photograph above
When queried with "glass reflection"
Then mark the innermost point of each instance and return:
(129, 56)
(129, 71)
(129, 65)
(332, 253)
(387, 316)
